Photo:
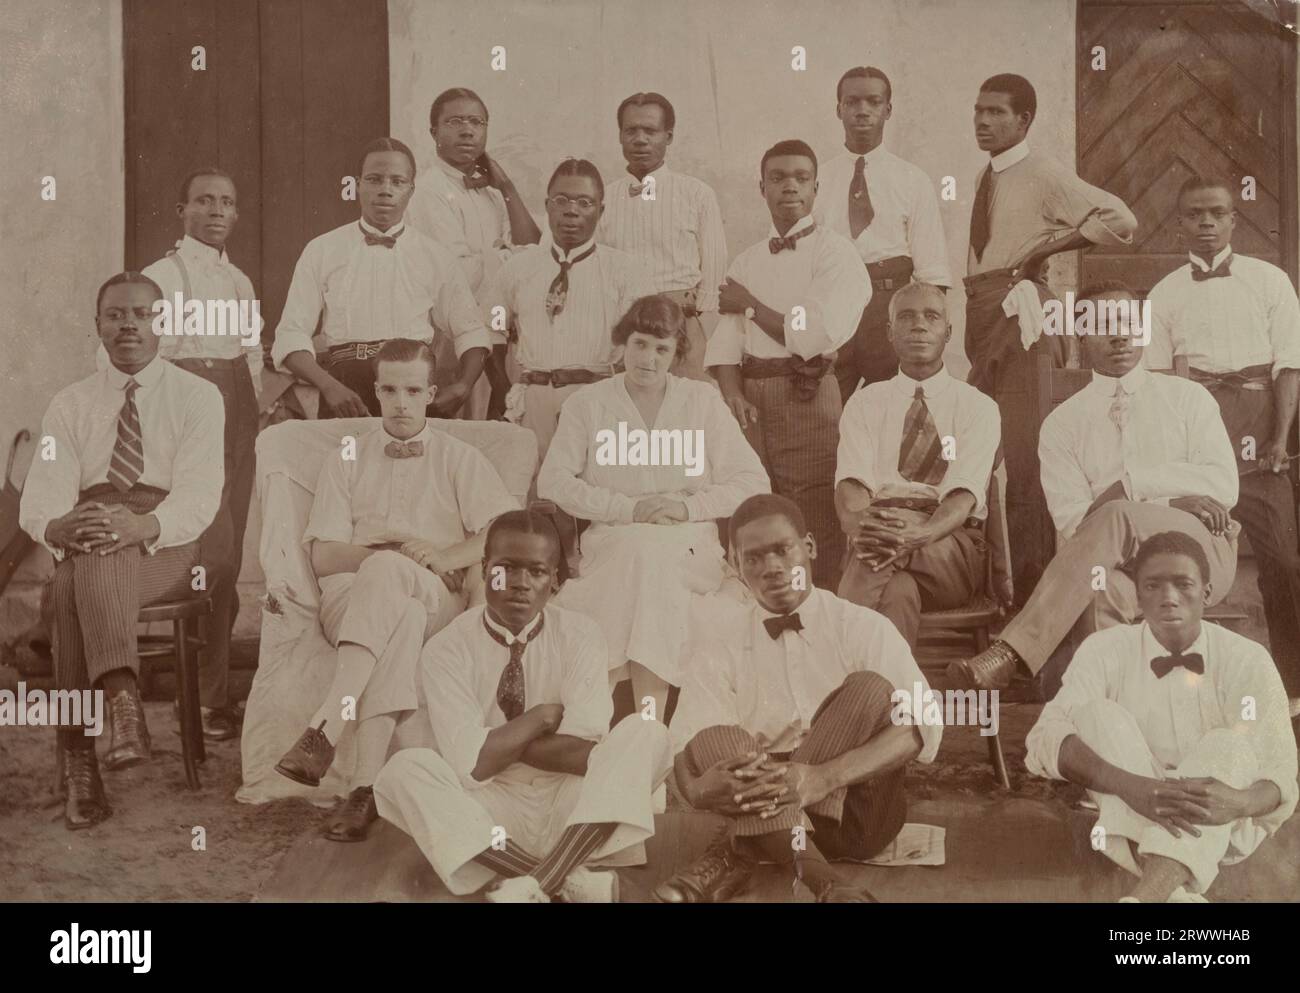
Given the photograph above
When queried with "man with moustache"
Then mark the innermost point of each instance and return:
(469, 205)
(785, 722)
(671, 220)
(563, 301)
(529, 784)
(911, 479)
(134, 479)
(1028, 207)
(1132, 454)
(371, 281)
(1237, 320)
(1178, 729)
(887, 207)
(391, 533)
(789, 303)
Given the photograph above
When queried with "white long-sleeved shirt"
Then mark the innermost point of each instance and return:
(906, 220)
(182, 428)
(360, 292)
(871, 437)
(1248, 318)
(823, 275)
(1174, 445)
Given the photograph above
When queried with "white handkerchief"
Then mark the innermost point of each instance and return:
(1023, 302)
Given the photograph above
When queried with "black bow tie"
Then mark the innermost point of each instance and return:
(778, 244)
(1200, 275)
(783, 622)
(1162, 665)
(387, 240)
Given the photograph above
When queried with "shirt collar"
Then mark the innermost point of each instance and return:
(872, 157)
(936, 386)
(572, 253)
(1151, 647)
(1004, 160)
(193, 250)
(799, 225)
(803, 610)
(511, 638)
(392, 232)
(425, 435)
(1199, 263)
(451, 172)
(1131, 381)
(658, 173)
(148, 376)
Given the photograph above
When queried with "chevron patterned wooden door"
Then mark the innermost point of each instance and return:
(1192, 87)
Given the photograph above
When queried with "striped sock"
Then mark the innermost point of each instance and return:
(573, 848)
(511, 861)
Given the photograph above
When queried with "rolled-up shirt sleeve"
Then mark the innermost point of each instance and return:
(198, 472)
(1283, 311)
(588, 706)
(1212, 469)
(855, 458)
(840, 290)
(1085, 681)
(1101, 217)
(302, 308)
(726, 346)
(925, 237)
(496, 303)
(454, 309)
(974, 451)
(454, 710)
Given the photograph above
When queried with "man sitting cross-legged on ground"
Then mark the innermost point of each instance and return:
(1179, 730)
(790, 724)
(1131, 454)
(397, 518)
(520, 708)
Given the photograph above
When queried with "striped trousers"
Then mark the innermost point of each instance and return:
(856, 821)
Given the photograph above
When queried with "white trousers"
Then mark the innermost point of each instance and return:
(453, 821)
(390, 606)
(1112, 732)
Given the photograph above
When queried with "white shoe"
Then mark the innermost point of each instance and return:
(1184, 895)
(584, 886)
(521, 889)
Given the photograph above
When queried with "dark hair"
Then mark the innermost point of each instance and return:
(864, 72)
(405, 350)
(127, 278)
(766, 505)
(792, 146)
(1172, 543)
(649, 100)
(209, 171)
(447, 96)
(1195, 183)
(1019, 89)
(654, 315)
(385, 145)
(530, 521)
(577, 167)
(1105, 287)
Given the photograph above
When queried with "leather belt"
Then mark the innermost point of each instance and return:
(561, 377)
(1255, 377)
(890, 274)
(191, 363)
(993, 279)
(350, 351)
(923, 504)
(685, 299)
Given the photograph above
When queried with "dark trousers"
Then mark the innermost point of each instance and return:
(856, 821)
(222, 544)
(868, 357)
(1005, 371)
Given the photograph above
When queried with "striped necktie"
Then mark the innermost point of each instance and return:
(920, 456)
(127, 462)
(510, 688)
(558, 294)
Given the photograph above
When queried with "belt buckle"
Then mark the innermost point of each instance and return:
(886, 284)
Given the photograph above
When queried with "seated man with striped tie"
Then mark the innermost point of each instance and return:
(529, 783)
(373, 280)
(397, 518)
(916, 452)
(132, 479)
(1131, 454)
(1178, 728)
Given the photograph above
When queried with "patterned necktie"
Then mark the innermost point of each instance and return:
(559, 291)
(780, 244)
(1163, 665)
(510, 688)
(1118, 411)
(784, 622)
(860, 210)
(635, 189)
(477, 179)
(1220, 271)
(979, 215)
(387, 240)
(404, 449)
(920, 456)
(127, 463)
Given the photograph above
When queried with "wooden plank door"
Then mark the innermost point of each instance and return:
(1189, 87)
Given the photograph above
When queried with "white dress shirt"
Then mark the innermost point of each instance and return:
(679, 233)
(871, 437)
(823, 274)
(1174, 445)
(601, 289)
(1175, 711)
(442, 496)
(772, 687)
(182, 424)
(906, 220)
(361, 292)
(1250, 317)
(462, 665)
(572, 477)
(471, 224)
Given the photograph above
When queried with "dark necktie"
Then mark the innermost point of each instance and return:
(510, 688)
(387, 240)
(404, 449)
(127, 463)
(1162, 665)
(979, 215)
(559, 291)
(1220, 271)
(477, 179)
(860, 210)
(780, 244)
(780, 623)
(920, 455)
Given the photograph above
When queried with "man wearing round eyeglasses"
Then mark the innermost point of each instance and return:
(370, 281)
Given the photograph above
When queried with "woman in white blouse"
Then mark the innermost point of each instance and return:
(653, 461)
